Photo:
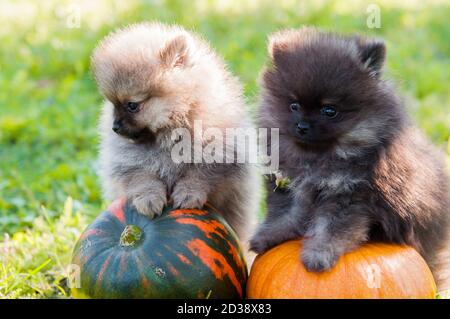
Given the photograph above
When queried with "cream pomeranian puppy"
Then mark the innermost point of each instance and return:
(156, 79)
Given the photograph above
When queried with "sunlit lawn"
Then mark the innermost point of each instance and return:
(49, 103)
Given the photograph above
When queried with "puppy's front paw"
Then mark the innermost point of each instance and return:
(318, 258)
(258, 245)
(150, 204)
(261, 242)
(186, 197)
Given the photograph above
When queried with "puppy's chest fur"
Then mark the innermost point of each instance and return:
(324, 175)
(152, 159)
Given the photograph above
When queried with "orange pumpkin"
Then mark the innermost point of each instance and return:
(374, 270)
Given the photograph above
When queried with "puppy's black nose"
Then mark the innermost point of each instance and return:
(117, 126)
(303, 128)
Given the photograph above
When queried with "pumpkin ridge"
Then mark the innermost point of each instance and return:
(272, 266)
(233, 251)
(183, 232)
(175, 259)
(169, 261)
(145, 282)
(102, 270)
(210, 259)
(212, 226)
(91, 232)
(94, 256)
(186, 212)
(207, 227)
(156, 268)
(122, 266)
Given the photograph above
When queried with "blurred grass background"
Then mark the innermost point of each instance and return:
(49, 104)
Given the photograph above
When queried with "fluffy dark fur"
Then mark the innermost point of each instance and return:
(363, 173)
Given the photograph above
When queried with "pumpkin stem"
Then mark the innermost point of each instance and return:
(130, 236)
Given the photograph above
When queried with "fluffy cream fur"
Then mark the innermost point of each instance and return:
(177, 79)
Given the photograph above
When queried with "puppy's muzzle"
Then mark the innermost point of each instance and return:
(303, 128)
(117, 126)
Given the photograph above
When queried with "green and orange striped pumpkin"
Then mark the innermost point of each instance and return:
(181, 254)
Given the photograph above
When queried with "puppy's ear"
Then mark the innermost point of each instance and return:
(278, 49)
(372, 54)
(175, 53)
(283, 43)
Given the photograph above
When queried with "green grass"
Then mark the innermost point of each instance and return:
(49, 104)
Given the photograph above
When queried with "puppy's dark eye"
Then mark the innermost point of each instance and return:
(294, 106)
(329, 111)
(132, 107)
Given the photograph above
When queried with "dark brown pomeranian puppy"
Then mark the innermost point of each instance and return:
(359, 169)
(158, 79)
